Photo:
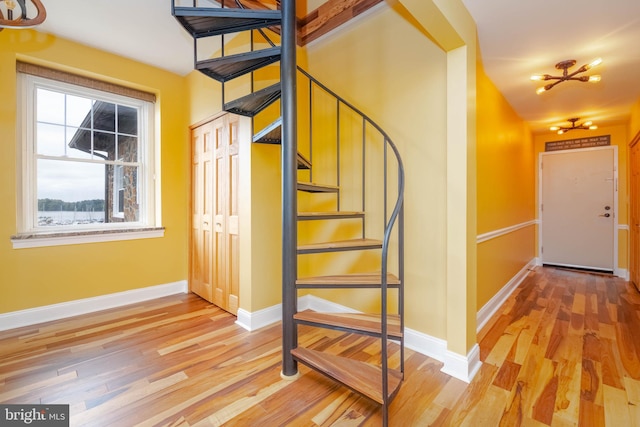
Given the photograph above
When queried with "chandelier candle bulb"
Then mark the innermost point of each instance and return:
(595, 62)
(10, 6)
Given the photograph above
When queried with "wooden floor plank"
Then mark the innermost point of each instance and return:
(567, 404)
(562, 351)
(616, 410)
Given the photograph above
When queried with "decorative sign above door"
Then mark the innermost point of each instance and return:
(572, 144)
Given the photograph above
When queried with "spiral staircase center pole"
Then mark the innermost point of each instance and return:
(289, 182)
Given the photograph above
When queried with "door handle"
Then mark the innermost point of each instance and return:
(607, 215)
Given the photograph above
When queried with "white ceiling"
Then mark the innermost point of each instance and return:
(523, 37)
(143, 30)
(517, 38)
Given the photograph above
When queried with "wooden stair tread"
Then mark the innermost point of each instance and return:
(312, 187)
(342, 245)
(364, 280)
(272, 134)
(213, 21)
(229, 67)
(302, 216)
(361, 377)
(303, 162)
(252, 104)
(352, 322)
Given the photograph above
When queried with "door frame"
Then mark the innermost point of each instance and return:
(614, 148)
(633, 194)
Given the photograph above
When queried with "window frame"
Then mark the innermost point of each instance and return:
(118, 177)
(29, 233)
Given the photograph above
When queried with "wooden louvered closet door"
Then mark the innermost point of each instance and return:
(214, 242)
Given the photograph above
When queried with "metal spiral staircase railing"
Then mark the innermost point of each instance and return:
(379, 382)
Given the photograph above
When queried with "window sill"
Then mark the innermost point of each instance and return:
(37, 240)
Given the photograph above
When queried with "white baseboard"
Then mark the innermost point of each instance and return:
(314, 303)
(494, 304)
(433, 347)
(623, 273)
(461, 367)
(458, 366)
(252, 321)
(32, 316)
(454, 364)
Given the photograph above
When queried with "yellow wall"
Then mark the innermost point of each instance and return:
(410, 65)
(453, 28)
(42, 276)
(396, 75)
(506, 190)
(619, 137)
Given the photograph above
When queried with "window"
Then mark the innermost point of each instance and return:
(87, 160)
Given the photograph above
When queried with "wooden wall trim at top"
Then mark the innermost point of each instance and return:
(319, 22)
(330, 16)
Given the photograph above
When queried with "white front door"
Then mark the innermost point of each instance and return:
(578, 208)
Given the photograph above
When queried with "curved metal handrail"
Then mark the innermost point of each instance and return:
(397, 214)
(399, 202)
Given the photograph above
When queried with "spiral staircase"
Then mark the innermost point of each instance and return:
(378, 381)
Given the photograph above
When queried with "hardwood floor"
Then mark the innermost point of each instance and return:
(564, 350)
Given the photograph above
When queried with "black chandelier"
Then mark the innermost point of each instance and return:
(18, 18)
(562, 129)
(564, 66)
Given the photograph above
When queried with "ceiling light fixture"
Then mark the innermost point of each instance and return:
(564, 66)
(562, 129)
(18, 19)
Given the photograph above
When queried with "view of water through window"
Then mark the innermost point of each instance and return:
(69, 217)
